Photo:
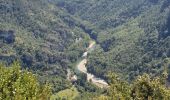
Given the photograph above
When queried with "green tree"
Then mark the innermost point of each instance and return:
(119, 90)
(17, 84)
(147, 88)
(143, 88)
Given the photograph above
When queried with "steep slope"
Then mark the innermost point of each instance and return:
(43, 37)
(49, 36)
(133, 35)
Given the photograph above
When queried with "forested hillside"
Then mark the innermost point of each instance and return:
(132, 37)
(45, 39)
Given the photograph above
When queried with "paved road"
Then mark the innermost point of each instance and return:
(90, 77)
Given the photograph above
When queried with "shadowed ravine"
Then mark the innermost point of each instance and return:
(90, 77)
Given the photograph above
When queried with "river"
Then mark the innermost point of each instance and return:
(81, 66)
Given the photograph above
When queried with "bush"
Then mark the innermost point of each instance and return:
(16, 84)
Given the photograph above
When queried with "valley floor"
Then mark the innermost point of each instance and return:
(90, 77)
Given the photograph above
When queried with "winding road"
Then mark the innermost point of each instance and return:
(90, 77)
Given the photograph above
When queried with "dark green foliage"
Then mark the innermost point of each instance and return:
(7, 36)
(43, 37)
(134, 35)
(50, 36)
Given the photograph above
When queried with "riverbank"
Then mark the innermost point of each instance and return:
(81, 66)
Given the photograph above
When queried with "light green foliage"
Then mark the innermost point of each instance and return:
(146, 88)
(143, 88)
(118, 89)
(16, 84)
(68, 94)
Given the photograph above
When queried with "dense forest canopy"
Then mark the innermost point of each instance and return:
(48, 37)
(133, 35)
(42, 37)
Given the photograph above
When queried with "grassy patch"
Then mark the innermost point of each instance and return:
(68, 94)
